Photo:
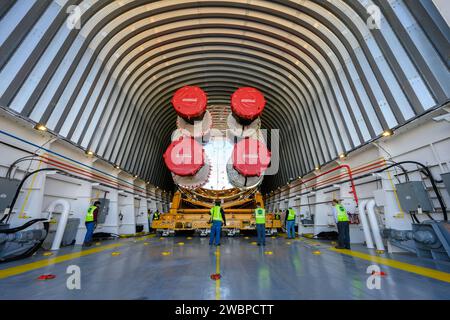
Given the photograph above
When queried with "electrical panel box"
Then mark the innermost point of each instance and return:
(103, 210)
(446, 178)
(8, 188)
(413, 195)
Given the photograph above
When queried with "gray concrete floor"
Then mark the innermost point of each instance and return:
(292, 271)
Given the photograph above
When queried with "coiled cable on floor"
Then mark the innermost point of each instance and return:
(20, 228)
(29, 252)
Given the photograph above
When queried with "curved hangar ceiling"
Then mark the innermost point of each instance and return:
(331, 83)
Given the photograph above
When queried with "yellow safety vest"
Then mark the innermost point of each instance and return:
(90, 214)
(291, 214)
(341, 213)
(260, 216)
(156, 216)
(216, 215)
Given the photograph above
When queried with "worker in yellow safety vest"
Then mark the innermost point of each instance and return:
(217, 218)
(289, 222)
(343, 225)
(260, 218)
(277, 215)
(90, 223)
(156, 215)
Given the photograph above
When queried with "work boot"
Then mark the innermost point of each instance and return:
(218, 244)
(259, 244)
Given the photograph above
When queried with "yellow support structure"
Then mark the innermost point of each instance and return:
(176, 201)
(189, 214)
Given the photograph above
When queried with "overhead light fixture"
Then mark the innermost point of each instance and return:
(387, 133)
(40, 127)
(135, 175)
(117, 167)
(89, 153)
(148, 182)
(342, 156)
(317, 168)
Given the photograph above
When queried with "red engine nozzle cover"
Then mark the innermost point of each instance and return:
(247, 103)
(184, 157)
(250, 157)
(190, 102)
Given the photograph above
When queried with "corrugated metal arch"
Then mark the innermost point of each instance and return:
(331, 83)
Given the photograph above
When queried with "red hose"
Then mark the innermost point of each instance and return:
(349, 172)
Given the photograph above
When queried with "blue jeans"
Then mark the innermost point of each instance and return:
(290, 226)
(261, 231)
(89, 232)
(343, 234)
(216, 228)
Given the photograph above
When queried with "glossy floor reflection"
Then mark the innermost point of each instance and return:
(180, 268)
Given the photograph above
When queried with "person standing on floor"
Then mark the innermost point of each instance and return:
(260, 218)
(343, 225)
(277, 215)
(91, 223)
(149, 219)
(289, 222)
(217, 219)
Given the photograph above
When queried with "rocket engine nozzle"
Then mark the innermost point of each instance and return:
(247, 104)
(248, 162)
(186, 160)
(190, 103)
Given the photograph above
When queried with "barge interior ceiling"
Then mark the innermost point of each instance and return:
(332, 183)
(336, 74)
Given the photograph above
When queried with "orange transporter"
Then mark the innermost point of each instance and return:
(190, 211)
